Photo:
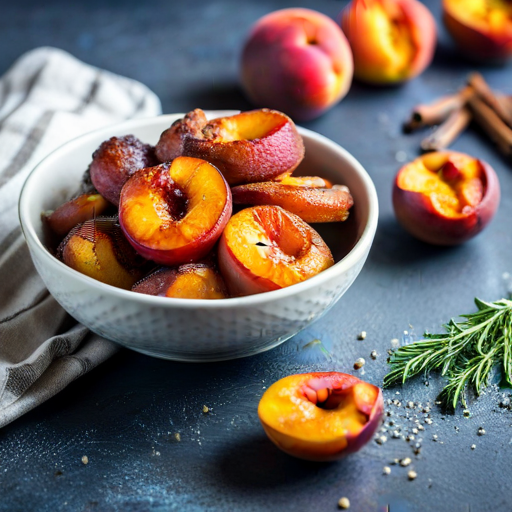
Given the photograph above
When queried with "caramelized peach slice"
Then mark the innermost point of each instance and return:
(392, 40)
(98, 249)
(445, 198)
(320, 416)
(73, 212)
(266, 248)
(303, 196)
(252, 146)
(481, 28)
(115, 161)
(189, 281)
(174, 213)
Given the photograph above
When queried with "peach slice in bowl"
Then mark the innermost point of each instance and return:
(187, 329)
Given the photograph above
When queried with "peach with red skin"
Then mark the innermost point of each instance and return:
(115, 161)
(300, 196)
(321, 416)
(258, 145)
(460, 201)
(98, 249)
(297, 61)
(174, 213)
(483, 33)
(190, 281)
(266, 248)
(75, 211)
(392, 40)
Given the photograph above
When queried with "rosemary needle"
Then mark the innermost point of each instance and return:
(465, 354)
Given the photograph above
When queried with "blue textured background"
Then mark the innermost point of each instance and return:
(124, 415)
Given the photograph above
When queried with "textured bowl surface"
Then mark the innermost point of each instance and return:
(198, 330)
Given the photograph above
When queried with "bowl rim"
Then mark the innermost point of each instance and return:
(355, 254)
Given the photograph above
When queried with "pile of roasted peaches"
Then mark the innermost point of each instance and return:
(159, 219)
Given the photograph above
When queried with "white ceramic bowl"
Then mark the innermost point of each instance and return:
(198, 330)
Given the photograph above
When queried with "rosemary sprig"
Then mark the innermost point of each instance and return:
(465, 354)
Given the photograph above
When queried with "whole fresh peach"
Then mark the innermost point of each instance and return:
(481, 28)
(445, 198)
(297, 61)
(321, 416)
(391, 40)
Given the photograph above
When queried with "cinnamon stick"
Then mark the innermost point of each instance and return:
(438, 111)
(486, 94)
(492, 124)
(448, 131)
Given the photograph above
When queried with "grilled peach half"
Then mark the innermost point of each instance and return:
(266, 248)
(189, 281)
(115, 161)
(75, 211)
(253, 146)
(445, 198)
(98, 249)
(311, 198)
(321, 416)
(174, 213)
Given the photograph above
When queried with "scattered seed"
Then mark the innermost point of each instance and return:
(473, 446)
(344, 503)
(359, 363)
(466, 413)
(381, 439)
(505, 402)
(410, 437)
(412, 474)
(386, 470)
(395, 343)
(428, 421)
(434, 437)
(481, 431)
(426, 409)
(205, 409)
(414, 430)
(373, 354)
(421, 427)
(410, 405)
(391, 423)
(395, 461)
(177, 436)
(396, 434)
(361, 335)
(405, 462)
(85, 459)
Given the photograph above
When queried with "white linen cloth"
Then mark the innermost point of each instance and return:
(47, 98)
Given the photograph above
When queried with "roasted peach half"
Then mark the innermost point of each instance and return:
(98, 249)
(311, 198)
(115, 161)
(266, 248)
(445, 198)
(189, 281)
(321, 416)
(391, 40)
(253, 146)
(174, 213)
(481, 28)
(75, 211)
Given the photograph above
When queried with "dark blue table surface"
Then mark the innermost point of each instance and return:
(124, 414)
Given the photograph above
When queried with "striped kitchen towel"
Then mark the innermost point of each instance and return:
(47, 98)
